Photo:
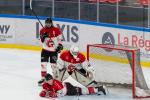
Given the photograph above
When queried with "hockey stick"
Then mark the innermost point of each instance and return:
(63, 75)
(78, 93)
(35, 13)
(76, 88)
(76, 75)
(91, 83)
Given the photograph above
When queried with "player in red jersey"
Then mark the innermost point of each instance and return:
(72, 62)
(51, 38)
(54, 88)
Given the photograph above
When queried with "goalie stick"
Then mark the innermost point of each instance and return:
(77, 89)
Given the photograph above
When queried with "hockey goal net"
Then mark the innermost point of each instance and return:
(118, 66)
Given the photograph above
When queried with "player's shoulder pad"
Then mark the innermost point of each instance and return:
(41, 30)
(59, 83)
(82, 57)
(58, 31)
(64, 54)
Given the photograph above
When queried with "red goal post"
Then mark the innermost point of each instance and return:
(122, 59)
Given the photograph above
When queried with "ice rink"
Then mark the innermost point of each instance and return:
(20, 72)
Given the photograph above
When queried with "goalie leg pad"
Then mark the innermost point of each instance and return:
(82, 79)
(63, 75)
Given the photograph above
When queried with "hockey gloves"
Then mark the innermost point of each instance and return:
(70, 68)
(43, 94)
(59, 48)
(43, 36)
(52, 94)
(48, 94)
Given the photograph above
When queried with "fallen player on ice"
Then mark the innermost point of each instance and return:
(52, 88)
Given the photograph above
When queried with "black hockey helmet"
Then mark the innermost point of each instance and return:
(48, 20)
(48, 77)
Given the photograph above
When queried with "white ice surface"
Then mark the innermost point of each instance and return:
(20, 72)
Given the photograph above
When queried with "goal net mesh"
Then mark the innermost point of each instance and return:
(118, 66)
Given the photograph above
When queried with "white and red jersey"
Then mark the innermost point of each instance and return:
(66, 59)
(55, 38)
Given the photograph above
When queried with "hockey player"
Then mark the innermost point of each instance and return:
(50, 37)
(52, 88)
(74, 63)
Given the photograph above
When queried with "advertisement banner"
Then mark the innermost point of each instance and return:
(25, 31)
(7, 30)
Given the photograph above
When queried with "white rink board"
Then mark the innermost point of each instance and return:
(24, 31)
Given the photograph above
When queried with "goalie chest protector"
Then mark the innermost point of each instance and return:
(66, 56)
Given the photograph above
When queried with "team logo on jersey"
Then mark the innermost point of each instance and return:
(108, 38)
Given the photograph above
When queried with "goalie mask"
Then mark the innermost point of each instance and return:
(74, 51)
(48, 22)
